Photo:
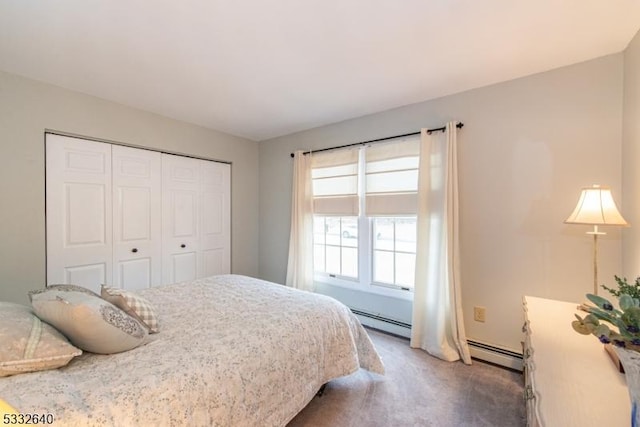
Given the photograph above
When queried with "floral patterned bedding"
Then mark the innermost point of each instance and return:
(231, 351)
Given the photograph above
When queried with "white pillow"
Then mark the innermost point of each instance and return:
(89, 322)
(132, 304)
(27, 344)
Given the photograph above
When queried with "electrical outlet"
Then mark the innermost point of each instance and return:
(479, 314)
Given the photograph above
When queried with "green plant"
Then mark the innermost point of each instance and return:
(625, 288)
(620, 327)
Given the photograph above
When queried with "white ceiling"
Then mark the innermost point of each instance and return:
(261, 69)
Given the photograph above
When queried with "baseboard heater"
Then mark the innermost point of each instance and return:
(478, 350)
(494, 349)
(380, 318)
(500, 356)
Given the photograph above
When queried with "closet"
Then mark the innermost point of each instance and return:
(133, 218)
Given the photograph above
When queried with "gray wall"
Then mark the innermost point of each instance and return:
(631, 159)
(527, 148)
(28, 107)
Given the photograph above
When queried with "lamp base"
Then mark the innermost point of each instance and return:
(595, 233)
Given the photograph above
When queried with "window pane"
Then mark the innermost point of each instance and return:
(383, 267)
(406, 235)
(333, 231)
(405, 269)
(394, 245)
(336, 245)
(318, 230)
(350, 262)
(318, 257)
(383, 233)
(350, 232)
(333, 260)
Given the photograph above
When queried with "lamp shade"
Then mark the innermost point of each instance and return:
(596, 207)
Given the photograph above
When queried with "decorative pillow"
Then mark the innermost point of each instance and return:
(64, 288)
(89, 322)
(29, 345)
(132, 304)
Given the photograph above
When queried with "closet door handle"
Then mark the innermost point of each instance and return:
(134, 250)
(183, 246)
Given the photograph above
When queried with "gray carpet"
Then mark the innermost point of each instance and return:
(418, 390)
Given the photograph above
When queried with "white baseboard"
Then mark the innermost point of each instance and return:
(478, 349)
(385, 326)
(500, 356)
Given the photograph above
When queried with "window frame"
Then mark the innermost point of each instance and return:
(393, 251)
(339, 276)
(364, 282)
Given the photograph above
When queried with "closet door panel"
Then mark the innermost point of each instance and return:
(78, 211)
(213, 262)
(180, 218)
(84, 214)
(215, 238)
(134, 274)
(184, 210)
(133, 218)
(137, 181)
(89, 275)
(184, 266)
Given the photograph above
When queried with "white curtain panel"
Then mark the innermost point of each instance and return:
(438, 325)
(300, 263)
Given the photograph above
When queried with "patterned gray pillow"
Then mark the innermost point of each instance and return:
(88, 321)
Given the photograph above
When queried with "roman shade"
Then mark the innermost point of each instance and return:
(335, 183)
(391, 177)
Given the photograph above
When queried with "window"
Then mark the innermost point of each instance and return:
(365, 204)
(394, 251)
(335, 246)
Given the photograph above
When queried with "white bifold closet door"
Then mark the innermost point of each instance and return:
(196, 218)
(78, 218)
(137, 239)
(133, 218)
(215, 230)
(181, 214)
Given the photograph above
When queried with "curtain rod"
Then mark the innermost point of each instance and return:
(442, 129)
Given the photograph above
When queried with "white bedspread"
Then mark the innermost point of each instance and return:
(232, 351)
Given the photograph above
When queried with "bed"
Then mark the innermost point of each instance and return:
(231, 351)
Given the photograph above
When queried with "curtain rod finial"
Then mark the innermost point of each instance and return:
(292, 155)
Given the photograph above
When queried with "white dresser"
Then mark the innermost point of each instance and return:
(569, 378)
